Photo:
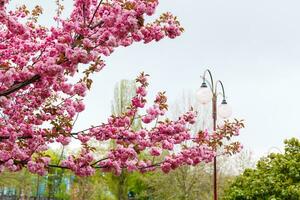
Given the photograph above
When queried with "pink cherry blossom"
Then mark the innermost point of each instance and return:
(47, 72)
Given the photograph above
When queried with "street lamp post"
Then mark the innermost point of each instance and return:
(210, 94)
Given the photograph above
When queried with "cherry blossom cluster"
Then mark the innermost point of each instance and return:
(39, 101)
(167, 145)
(80, 165)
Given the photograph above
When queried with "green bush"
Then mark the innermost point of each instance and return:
(276, 177)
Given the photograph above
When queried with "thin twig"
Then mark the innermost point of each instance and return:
(95, 163)
(96, 25)
(83, 12)
(58, 166)
(95, 13)
(61, 155)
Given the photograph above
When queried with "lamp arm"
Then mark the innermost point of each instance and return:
(211, 82)
(222, 86)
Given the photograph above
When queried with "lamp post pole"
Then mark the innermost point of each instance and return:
(210, 94)
(214, 105)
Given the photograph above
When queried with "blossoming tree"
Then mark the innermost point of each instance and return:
(39, 103)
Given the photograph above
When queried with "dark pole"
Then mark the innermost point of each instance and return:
(214, 105)
(213, 87)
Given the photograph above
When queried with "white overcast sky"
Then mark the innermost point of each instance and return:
(252, 46)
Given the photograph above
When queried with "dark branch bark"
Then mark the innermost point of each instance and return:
(72, 134)
(30, 137)
(95, 163)
(154, 165)
(19, 86)
(97, 25)
(95, 12)
(57, 166)
(35, 78)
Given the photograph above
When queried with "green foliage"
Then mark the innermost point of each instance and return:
(276, 177)
(21, 182)
(123, 92)
(91, 188)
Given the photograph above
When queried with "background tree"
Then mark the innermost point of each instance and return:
(22, 184)
(58, 180)
(124, 91)
(91, 188)
(276, 177)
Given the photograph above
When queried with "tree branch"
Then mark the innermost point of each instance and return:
(95, 12)
(19, 86)
(30, 137)
(95, 163)
(58, 166)
(96, 25)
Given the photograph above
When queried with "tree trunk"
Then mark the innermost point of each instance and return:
(122, 194)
